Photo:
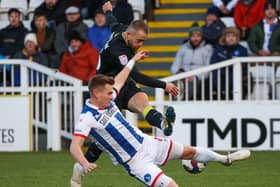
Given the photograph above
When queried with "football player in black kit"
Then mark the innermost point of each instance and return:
(121, 47)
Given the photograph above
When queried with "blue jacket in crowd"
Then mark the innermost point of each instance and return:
(222, 53)
(212, 33)
(98, 36)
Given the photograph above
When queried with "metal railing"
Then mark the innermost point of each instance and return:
(254, 79)
(56, 97)
(246, 78)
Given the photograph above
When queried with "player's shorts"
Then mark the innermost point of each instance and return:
(153, 152)
(128, 90)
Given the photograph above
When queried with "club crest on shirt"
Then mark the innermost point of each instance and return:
(123, 59)
(147, 177)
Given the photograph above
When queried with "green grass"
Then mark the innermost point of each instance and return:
(47, 169)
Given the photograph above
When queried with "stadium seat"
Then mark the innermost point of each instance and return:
(138, 7)
(262, 75)
(5, 5)
(244, 43)
(259, 76)
(33, 4)
(228, 21)
(277, 83)
(3, 23)
(27, 24)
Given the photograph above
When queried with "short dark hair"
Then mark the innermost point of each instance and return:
(12, 10)
(98, 11)
(40, 14)
(100, 80)
(138, 25)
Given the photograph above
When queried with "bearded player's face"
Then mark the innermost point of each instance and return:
(136, 39)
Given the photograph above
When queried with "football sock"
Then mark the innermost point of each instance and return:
(206, 155)
(152, 116)
(93, 153)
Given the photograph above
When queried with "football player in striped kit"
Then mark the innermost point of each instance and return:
(137, 152)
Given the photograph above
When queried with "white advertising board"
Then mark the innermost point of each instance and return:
(228, 126)
(15, 123)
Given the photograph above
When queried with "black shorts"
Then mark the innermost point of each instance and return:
(128, 90)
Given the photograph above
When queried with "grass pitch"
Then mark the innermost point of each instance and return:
(48, 169)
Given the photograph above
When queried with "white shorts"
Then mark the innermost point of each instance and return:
(153, 152)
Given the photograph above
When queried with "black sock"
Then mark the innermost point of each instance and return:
(93, 153)
(154, 118)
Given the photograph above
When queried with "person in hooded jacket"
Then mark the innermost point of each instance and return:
(74, 22)
(12, 36)
(80, 60)
(228, 48)
(193, 54)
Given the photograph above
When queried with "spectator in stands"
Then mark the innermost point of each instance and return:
(213, 28)
(99, 33)
(123, 11)
(12, 36)
(53, 10)
(46, 38)
(228, 48)
(193, 54)
(30, 52)
(246, 14)
(264, 38)
(81, 59)
(226, 7)
(74, 22)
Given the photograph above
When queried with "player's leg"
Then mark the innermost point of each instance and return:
(143, 168)
(143, 165)
(139, 103)
(165, 181)
(91, 155)
(205, 155)
(199, 154)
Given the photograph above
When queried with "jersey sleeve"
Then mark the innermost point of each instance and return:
(121, 53)
(83, 127)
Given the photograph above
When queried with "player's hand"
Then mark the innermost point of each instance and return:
(107, 7)
(140, 55)
(172, 89)
(88, 167)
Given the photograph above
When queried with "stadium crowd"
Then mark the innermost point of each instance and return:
(59, 39)
(256, 23)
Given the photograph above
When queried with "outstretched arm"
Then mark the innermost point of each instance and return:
(151, 82)
(111, 20)
(123, 75)
(77, 153)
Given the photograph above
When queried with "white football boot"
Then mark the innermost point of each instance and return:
(78, 173)
(237, 156)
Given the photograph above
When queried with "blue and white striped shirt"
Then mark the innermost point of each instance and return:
(111, 130)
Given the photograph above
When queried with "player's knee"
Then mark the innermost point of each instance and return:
(172, 184)
(165, 181)
(141, 97)
(188, 153)
(138, 102)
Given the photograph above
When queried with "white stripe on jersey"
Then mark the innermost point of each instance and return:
(111, 130)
